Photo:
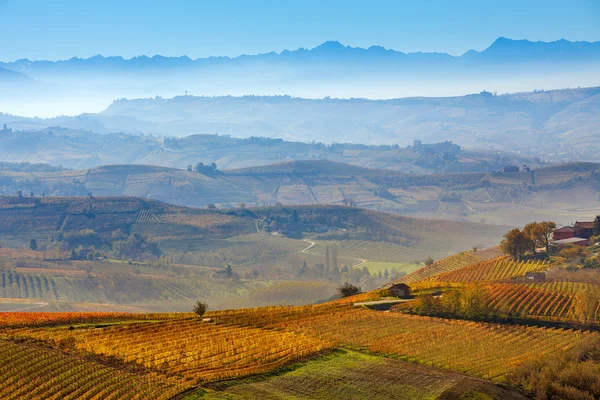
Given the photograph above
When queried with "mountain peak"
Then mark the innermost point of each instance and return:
(330, 45)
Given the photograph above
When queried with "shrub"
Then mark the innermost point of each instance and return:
(348, 289)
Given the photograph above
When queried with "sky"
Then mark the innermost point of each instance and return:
(61, 29)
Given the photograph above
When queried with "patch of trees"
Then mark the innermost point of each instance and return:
(472, 302)
(517, 242)
(204, 169)
(331, 221)
(87, 244)
(334, 273)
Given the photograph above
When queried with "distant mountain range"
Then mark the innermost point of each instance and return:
(502, 51)
(331, 69)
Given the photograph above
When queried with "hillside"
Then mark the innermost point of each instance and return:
(95, 252)
(500, 198)
(472, 327)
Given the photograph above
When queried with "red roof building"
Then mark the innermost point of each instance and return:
(564, 232)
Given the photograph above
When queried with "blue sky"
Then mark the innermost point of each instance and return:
(60, 29)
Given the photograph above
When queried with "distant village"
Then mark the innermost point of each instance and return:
(6, 129)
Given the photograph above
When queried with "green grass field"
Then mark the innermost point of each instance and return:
(355, 376)
(376, 267)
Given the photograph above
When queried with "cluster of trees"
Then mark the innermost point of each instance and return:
(473, 302)
(204, 169)
(518, 242)
(87, 244)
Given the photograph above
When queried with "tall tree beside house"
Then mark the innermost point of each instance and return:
(33, 244)
(597, 226)
(540, 234)
(516, 243)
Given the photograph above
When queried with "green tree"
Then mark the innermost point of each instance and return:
(515, 243)
(597, 225)
(348, 289)
(475, 303)
(428, 304)
(429, 261)
(451, 303)
(540, 234)
(200, 308)
(33, 244)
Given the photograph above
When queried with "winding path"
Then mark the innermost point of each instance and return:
(312, 244)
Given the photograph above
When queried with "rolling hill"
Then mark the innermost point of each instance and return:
(501, 198)
(82, 148)
(512, 122)
(96, 252)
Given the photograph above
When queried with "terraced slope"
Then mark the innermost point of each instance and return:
(493, 270)
(554, 300)
(447, 264)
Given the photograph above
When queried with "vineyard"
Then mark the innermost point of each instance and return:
(192, 348)
(35, 372)
(493, 270)
(167, 353)
(447, 264)
(550, 299)
(475, 348)
(28, 319)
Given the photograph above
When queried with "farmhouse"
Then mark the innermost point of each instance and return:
(535, 276)
(584, 229)
(400, 290)
(564, 232)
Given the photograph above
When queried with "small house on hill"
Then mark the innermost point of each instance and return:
(564, 232)
(535, 276)
(399, 290)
